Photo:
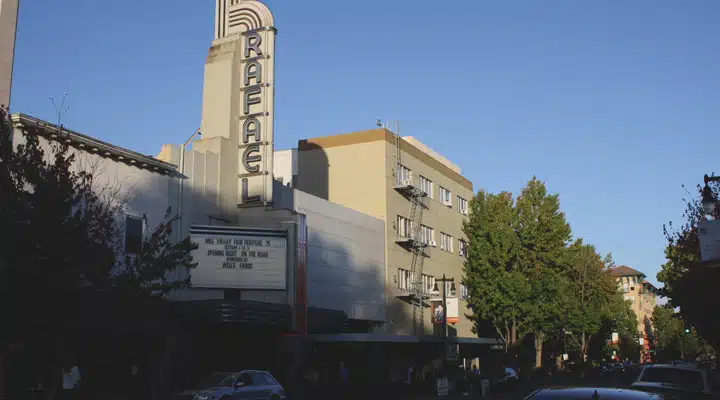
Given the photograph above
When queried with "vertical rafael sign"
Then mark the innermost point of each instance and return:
(238, 100)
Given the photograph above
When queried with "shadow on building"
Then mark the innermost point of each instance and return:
(313, 170)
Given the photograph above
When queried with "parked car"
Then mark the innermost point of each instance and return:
(248, 384)
(674, 380)
(587, 393)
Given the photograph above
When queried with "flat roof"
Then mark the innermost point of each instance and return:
(374, 135)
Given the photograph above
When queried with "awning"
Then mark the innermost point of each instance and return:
(381, 338)
(252, 313)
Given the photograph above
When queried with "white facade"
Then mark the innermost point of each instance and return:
(346, 258)
(140, 183)
(285, 166)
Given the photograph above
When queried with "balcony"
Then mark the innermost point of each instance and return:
(409, 241)
(407, 186)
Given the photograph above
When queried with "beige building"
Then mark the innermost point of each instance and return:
(423, 199)
(643, 297)
(8, 25)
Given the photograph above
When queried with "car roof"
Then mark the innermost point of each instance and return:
(675, 366)
(589, 392)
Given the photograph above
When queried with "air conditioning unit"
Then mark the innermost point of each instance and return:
(447, 202)
(433, 243)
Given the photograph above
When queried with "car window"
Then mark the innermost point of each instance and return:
(684, 378)
(270, 379)
(247, 378)
(259, 379)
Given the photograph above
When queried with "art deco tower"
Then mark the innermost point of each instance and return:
(8, 27)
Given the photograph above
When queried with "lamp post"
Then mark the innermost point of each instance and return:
(709, 202)
(444, 299)
(436, 290)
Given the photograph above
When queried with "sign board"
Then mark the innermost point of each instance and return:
(437, 309)
(709, 236)
(248, 28)
(443, 386)
(239, 258)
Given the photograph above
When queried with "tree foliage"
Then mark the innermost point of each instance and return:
(689, 284)
(591, 289)
(62, 238)
(498, 289)
(676, 339)
(515, 259)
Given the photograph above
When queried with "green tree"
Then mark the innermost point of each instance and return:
(667, 329)
(689, 284)
(617, 317)
(546, 307)
(152, 271)
(515, 261)
(676, 339)
(497, 290)
(543, 236)
(61, 240)
(591, 289)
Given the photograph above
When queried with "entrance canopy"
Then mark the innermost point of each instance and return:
(381, 338)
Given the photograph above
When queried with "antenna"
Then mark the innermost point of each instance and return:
(61, 110)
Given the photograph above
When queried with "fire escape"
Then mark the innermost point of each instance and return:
(411, 237)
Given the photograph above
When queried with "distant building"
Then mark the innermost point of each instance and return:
(642, 294)
(8, 28)
(423, 199)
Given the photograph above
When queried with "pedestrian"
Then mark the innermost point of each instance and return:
(344, 380)
(70, 380)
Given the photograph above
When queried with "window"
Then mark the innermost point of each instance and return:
(462, 205)
(402, 175)
(133, 234)
(404, 279)
(427, 235)
(446, 242)
(462, 248)
(404, 227)
(426, 185)
(428, 282)
(446, 196)
(464, 292)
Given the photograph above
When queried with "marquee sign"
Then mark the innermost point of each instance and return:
(239, 258)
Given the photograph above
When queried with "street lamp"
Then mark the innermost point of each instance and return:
(709, 202)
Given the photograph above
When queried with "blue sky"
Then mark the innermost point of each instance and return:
(614, 104)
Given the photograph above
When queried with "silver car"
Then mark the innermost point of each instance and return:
(681, 379)
(245, 385)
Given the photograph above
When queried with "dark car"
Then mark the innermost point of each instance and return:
(590, 393)
(247, 384)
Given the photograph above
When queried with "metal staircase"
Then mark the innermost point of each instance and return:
(412, 240)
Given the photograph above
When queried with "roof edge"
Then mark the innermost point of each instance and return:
(93, 145)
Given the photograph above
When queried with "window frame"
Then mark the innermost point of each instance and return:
(127, 237)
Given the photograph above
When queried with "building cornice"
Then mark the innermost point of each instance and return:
(92, 145)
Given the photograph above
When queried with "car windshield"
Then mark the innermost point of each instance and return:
(220, 379)
(683, 378)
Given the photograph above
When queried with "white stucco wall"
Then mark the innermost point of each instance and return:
(285, 166)
(141, 191)
(346, 258)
